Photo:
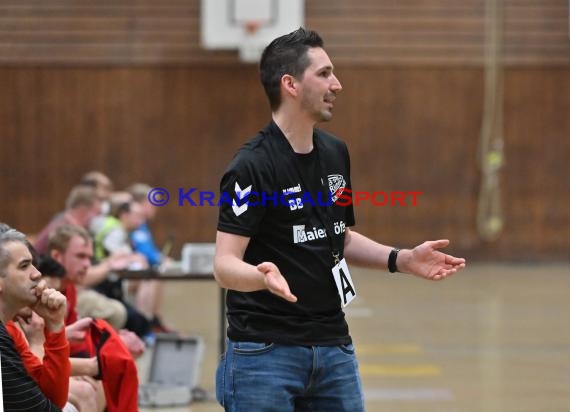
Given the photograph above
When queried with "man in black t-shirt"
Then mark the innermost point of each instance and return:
(282, 244)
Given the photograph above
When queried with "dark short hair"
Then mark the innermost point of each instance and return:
(118, 209)
(50, 267)
(286, 55)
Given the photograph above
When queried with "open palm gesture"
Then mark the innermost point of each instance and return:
(426, 261)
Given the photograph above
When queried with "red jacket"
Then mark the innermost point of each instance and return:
(117, 367)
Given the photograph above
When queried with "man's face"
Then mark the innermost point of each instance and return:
(104, 188)
(135, 217)
(95, 209)
(319, 86)
(76, 259)
(149, 210)
(18, 285)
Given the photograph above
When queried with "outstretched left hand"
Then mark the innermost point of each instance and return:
(427, 262)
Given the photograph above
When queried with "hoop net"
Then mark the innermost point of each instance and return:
(252, 46)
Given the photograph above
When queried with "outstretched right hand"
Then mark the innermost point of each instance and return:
(275, 282)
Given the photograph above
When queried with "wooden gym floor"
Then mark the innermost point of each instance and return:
(494, 338)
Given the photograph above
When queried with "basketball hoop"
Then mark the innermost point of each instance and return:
(252, 45)
(251, 27)
(247, 25)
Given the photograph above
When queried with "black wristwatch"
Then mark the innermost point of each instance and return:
(392, 267)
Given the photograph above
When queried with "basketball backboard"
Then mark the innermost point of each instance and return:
(248, 25)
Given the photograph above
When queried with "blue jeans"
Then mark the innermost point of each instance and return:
(260, 377)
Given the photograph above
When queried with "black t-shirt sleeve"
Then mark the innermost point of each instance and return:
(242, 192)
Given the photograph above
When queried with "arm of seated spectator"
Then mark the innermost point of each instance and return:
(114, 242)
(143, 243)
(77, 330)
(139, 261)
(32, 326)
(97, 273)
(84, 366)
(48, 373)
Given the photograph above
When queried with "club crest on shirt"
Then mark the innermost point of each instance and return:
(240, 204)
(336, 186)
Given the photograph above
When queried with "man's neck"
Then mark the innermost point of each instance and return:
(297, 129)
(5, 313)
(74, 217)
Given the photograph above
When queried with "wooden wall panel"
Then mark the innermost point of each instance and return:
(168, 127)
(537, 130)
(363, 32)
(407, 129)
(439, 31)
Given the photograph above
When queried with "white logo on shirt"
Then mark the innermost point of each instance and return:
(295, 203)
(291, 190)
(300, 235)
(241, 196)
(336, 186)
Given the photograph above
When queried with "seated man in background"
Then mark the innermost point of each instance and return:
(81, 206)
(141, 238)
(104, 188)
(72, 247)
(21, 286)
(143, 242)
(113, 236)
(104, 267)
(102, 184)
(112, 240)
